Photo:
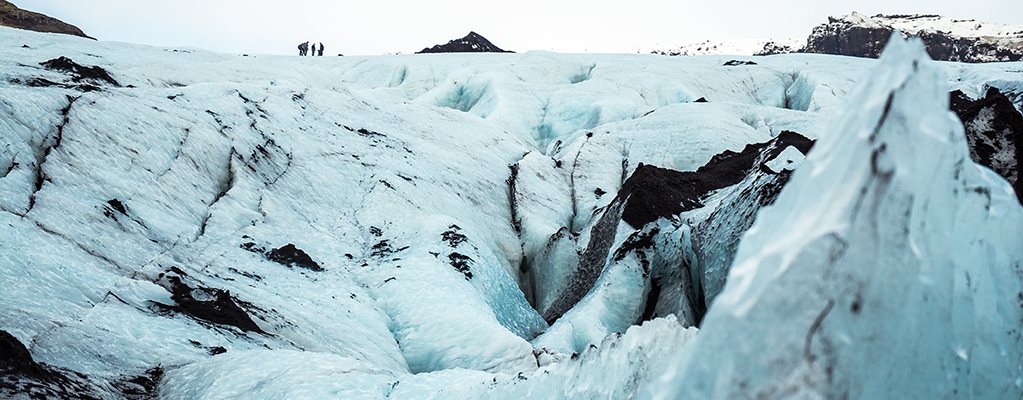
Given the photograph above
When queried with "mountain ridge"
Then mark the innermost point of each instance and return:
(14, 17)
(471, 43)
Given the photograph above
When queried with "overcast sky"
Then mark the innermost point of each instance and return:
(356, 27)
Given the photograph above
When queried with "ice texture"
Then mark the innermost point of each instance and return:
(205, 225)
(890, 265)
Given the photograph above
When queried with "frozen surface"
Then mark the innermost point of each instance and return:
(286, 227)
(893, 260)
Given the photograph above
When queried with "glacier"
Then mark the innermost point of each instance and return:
(176, 223)
(895, 264)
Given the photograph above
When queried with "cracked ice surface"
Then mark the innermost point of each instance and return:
(392, 175)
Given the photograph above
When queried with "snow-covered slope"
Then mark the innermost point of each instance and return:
(748, 47)
(180, 223)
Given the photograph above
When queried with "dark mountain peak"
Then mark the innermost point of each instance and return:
(14, 17)
(471, 43)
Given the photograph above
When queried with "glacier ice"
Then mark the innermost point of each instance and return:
(217, 226)
(890, 265)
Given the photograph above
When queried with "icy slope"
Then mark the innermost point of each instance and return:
(894, 262)
(615, 369)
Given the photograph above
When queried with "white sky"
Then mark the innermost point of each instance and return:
(356, 27)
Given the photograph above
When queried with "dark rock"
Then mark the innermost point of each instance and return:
(369, 133)
(736, 63)
(42, 82)
(22, 377)
(453, 237)
(287, 255)
(655, 192)
(116, 205)
(461, 264)
(994, 131)
(512, 181)
(14, 356)
(383, 248)
(843, 37)
(253, 247)
(772, 48)
(141, 387)
(214, 305)
(700, 100)
(293, 257)
(113, 208)
(79, 72)
(471, 43)
(14, 17)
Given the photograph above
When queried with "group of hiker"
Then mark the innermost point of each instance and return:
(305, 50)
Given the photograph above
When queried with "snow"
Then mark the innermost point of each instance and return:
(392, 174)
(613, 368)
(788, 160)
(889, 256)
(739, 47)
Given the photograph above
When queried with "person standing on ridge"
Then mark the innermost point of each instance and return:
(303, 48)
(320, 52)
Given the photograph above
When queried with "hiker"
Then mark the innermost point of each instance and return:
(303, 48)
(320, 53)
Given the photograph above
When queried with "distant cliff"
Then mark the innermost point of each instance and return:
(14, 17)
(947, 39)
(858, 35)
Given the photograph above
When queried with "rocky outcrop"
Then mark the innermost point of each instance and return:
(14, 17)
(21, 375)
(946, 39)
(657, 192)
(471, 43)
(994, 131)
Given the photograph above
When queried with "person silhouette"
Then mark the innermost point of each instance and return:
(303, 48)
(320, 52)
